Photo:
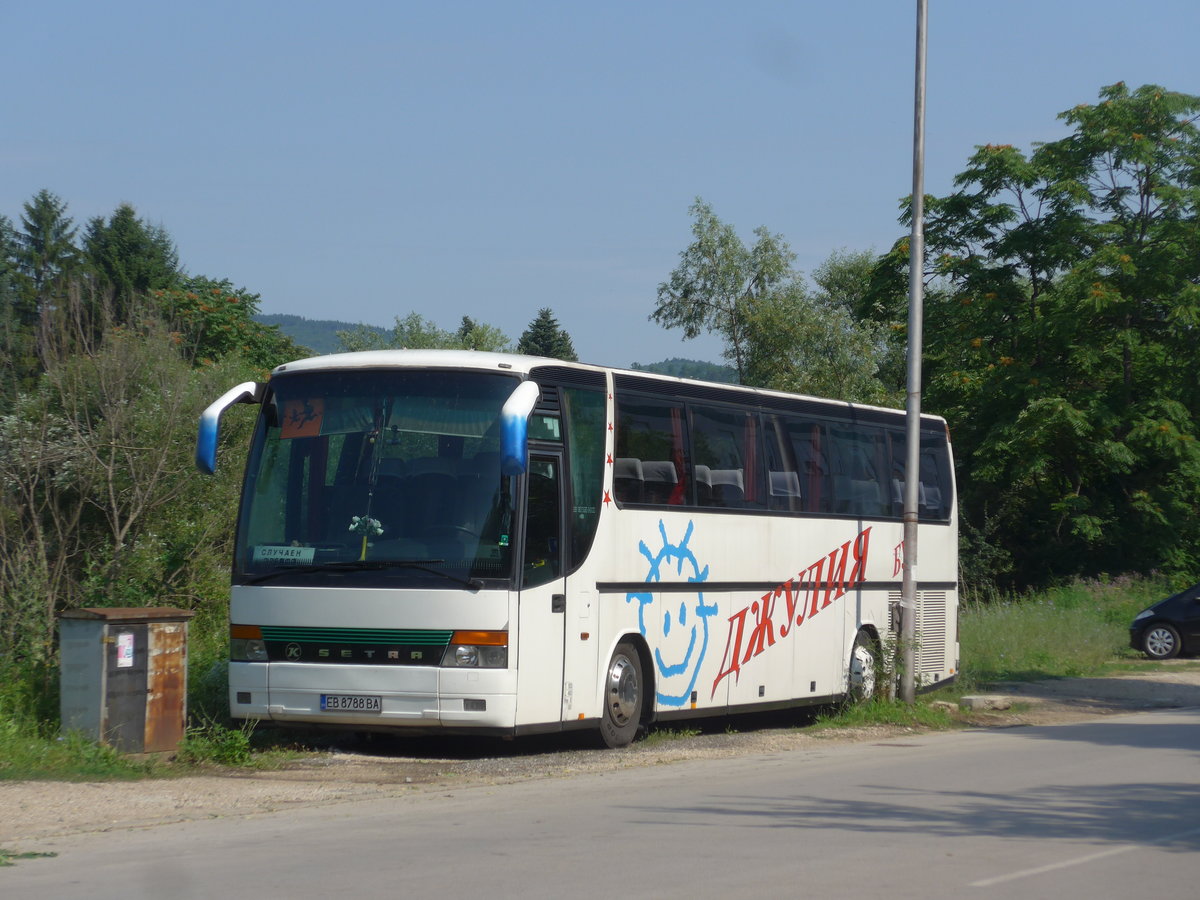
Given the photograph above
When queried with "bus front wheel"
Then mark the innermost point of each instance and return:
(623, 697)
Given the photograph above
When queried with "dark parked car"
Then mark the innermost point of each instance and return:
(1169, 627)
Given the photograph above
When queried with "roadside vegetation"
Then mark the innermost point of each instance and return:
(1081, 629)
(1070, 631)
(7, 856)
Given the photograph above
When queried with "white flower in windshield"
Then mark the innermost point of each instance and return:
(366, 526)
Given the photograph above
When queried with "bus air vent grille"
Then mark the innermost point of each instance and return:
(931, 632)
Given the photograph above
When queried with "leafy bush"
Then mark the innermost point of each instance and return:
(212, 742)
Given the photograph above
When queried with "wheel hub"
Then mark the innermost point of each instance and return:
(622, 691)
(1160, 641)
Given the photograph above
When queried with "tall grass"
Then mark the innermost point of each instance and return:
(31, 746)
(1069, 631)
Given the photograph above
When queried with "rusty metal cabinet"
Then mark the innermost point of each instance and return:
(124, 676)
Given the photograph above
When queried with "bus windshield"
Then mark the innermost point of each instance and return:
(369, 477)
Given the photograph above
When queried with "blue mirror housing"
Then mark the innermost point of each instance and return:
(514, 426)
(210, 422)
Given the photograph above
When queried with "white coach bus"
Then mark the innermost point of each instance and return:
(485, 543)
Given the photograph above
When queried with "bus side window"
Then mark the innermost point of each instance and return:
(935, 477)
(860, 483)
(660, 480)
(725, 441)
(810, 448)
(933, 488)
(628, 481)
(650, 463)
(783, 478)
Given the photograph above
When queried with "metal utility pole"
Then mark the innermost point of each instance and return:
(916, 270)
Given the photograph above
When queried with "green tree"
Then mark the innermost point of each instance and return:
(809, 344)
(843, 280)
(211, 320)
(778, 333)
(46, 258)
(415, 332)
(130, 257)
(1061, 338)
(100, 502)
(412, 332)
(472, 335)
(544, 337)
(719, 281)
(46, 250)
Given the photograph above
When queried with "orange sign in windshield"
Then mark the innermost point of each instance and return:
(302, 418)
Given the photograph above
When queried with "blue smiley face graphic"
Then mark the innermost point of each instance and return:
(680, 636)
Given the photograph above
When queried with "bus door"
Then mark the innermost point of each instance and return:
(542, 602)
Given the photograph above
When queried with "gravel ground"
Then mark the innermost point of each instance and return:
(389, 767)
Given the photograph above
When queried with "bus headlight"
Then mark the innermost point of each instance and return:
(477, 649)
(246, 644)
(466, 656)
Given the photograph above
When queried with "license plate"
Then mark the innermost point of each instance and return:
(351, 703)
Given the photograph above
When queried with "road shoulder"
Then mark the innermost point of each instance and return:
(38, 810)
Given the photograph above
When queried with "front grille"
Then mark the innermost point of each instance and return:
(370, 646)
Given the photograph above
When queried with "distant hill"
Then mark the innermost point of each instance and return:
(318, 335)
(691, 368)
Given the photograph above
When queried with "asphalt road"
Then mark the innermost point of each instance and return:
(1100, 809)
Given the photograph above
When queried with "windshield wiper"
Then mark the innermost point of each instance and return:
(369, 565)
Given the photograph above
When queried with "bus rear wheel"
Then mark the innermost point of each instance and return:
(862, 678)
(624, 697)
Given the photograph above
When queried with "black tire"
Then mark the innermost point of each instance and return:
(862, 676)
(624, 697)
(1161, 641)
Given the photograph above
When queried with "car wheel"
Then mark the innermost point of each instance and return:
(1161, 641)
(624, 697)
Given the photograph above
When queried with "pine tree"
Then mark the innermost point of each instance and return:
(544, 337)
(130, 257)
(46, 248)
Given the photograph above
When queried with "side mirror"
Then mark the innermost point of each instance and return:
(514, 426)
(210, 422)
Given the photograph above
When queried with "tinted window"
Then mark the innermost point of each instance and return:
(784, 490)
(811, 446)
(725, 458)
(769, 460)
(860, 468)
(649, 463)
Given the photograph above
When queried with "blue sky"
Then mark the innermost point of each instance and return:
(362, 160)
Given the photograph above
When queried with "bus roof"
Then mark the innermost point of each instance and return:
(523, 365)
